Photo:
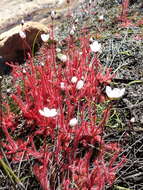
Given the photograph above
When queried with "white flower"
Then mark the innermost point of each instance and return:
(95, 47)
(73, 122)
(76, 21)
(58, 50)
(8, 90)
(46, 112)
(72, 32)
(22, 22)
(62, 57)
(79, 84)
(74, 79)
(90, 1)
(91, 39)
(101, 18)
(116, 93)
(73, 29)
(24, 71)
(82, 77)
(45, 37)
(22, 34)
(132, 120)
(62, 85)
(42, 64)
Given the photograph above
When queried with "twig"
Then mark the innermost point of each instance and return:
(121, 188)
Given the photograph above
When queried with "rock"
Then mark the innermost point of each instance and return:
(14, 48)
(4, 69)
(11, 12)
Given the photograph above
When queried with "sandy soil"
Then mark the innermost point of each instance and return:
(12, 11)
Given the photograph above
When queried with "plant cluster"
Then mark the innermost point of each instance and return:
(63, 99)
(62, 133)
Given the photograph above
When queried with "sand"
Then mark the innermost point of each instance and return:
(12, 11)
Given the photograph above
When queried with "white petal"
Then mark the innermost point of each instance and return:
(62, 57)
(73, 122)
(108, 89)
(114, 93)
(22, 22)
(123, 91)
(76, 21)
(48, 112)
(53, 113)
(74, 79)
(132, 120)
(41, 112)
(24, 71)
(62, 85)
(42, 64)
(45, 37)
(72, 32)
(58, 50)
(45, 109)
(95, 46)
(101, 17)
(79, 84)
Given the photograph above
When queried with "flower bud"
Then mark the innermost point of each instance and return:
(132, 120)
(53, 14)
(22, 22)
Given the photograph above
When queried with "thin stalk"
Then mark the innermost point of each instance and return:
(33, 45)
(120, 188)
(115, 54)
(10, 173)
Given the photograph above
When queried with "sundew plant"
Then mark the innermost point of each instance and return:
(62, 134)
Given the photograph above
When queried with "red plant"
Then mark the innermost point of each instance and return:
(124, 14)
(75, 156)
(125, 5)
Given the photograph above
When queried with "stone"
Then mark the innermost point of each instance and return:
(12, 12)
(4, 69)
(14, 48)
